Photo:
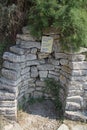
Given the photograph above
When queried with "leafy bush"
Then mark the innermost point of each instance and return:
(69, 16)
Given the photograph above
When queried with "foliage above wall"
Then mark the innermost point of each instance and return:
(69, 16)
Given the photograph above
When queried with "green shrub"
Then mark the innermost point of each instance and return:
(68, 16)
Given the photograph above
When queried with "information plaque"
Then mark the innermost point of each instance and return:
(47, 43)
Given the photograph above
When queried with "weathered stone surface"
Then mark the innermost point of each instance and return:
(8, 103)
(43, 55)
(10, 82)
(54, 73)
(79, 73)
(63, 79)
(78, 78)
(34, 50)
(75, 57)
(75, 115)
(76, 99)
(43, 74)
(12, 66)
(79, 127)
(34, 72)
(54, 62)
(75, 92)
(26, 37)
(40, 83)
(46, 67)
(25, 30)
(64, 62)
(17, 50)
(78, 65)
(31, 57)
(38, 94)
(66, 69)
(8, 88)
(60, 56)
(6, 96)
(27, 44)
(33, 62)
(25, 70)
(13, 57)
(63, 127)
(72, 106)
(53, 76)
(10, 74)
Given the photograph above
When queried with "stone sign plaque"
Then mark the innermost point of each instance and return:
(47, 43)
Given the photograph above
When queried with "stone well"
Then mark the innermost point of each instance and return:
(25, 67)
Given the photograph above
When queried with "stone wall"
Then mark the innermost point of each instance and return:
(25, 67)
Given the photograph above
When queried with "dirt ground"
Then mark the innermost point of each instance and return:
(39, 116)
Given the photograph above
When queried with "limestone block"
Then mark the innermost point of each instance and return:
(78, 78)
(25, 76)
(30, 90)
(34, 50)
(75, 85)
(75, 57)
(8, 103)
(63, 79)
(12, 66)
(53, 76)
(63, 127)
(40, 83)
(64, 62)
(72, 106)
(38, 94)
(54, 73)
(43, 74)
(30, 57)
(18, 41)
(25, 70)
(25, 30)
(57, 68)
(8, 88)
(79, 73)
(78, 65)
(34, 71)
(42, 61)
(10, 74)
(6, 96)
(54, 62)
(10, 82)
(67, 75)
(43, 55)
(75, 92)
(26, 37)
(45, 67)
(66, 69)
(60, 56)
(17, 50)
(33, 62)
(39, 89)
(13, 57)
(30, 44)
(76, 99)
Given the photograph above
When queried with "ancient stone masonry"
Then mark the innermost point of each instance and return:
(25, 67)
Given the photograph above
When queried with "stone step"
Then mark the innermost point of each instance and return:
(76, 99)
(77, 115)
(72, 106)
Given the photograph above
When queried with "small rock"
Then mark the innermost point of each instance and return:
(63, 127)
(79, 127)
